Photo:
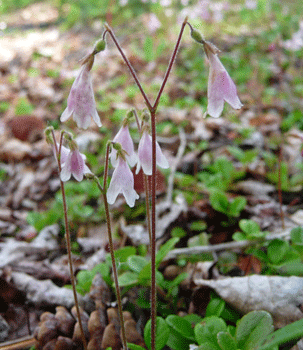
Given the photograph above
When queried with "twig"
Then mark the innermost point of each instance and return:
(175, 253)
(18, 344)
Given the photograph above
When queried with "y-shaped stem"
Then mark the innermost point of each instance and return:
(152, 110)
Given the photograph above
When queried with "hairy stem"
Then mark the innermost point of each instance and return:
(170, 65)
(130, 67)
(152, 109)
(153, 193)
(111, 249)
(68, 239)
(280, 188)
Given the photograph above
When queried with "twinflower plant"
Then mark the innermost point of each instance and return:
(121, 154)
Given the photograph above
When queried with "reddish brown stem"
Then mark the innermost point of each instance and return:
(152, 109)
(280, 188)
(68, 239)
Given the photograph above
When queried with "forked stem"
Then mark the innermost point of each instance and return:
(68, 239)
(152, 109)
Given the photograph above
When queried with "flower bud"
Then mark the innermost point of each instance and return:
(99, 46)
(48, 135)
(197, 36)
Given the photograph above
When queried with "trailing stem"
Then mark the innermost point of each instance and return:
(68, 239)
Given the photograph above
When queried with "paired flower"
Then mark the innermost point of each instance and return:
(145, 154)
(123, 137)
(81, 102)
(72, 162)
(122, 182)
(63, 155)
(220, 85)
(74, 165)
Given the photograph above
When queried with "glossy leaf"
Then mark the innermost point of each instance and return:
(162, 333)
(252, 329)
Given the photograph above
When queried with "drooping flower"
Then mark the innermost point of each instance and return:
(220, 85)
(81, 102)
(64, 153)
(145, 155)
(74, 165)
(123, 137)
(122, 182)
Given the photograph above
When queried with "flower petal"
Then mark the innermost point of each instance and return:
(122, 182)
(220, 88)
(81, 101)
(160, 158)
(77, 165)
(65, 173)
(145, 153)
(124, 138)
(66, 114)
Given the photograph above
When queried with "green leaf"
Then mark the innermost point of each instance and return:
(132, 346)
(236, 206)
(178, 232)
(219, 201)
(291, 332)
(136, 263)
(239, 236)
(198, 225)
(296, 235)
(226, 341)
(101, 268)
(181, 326)
(181, 333)
(207, 330)
(84, 280)
(249, 227)
(252, 329)
(193, 318)
(121, 254)
(162, 333)
(276, 250)
(291, 269)
(128, 279)
(208, 346)
(167, 247)
(215, 307)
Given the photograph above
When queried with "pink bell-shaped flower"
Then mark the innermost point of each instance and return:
(123, 137)
(122, 182)
(145, 155)
(81, 102)
(74, 165)
(64, 153)
(220, 85)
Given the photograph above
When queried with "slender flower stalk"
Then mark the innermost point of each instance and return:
(68, 239)
(111, 249)
(146, 187)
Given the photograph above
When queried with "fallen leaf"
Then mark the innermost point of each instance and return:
(280, 296)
